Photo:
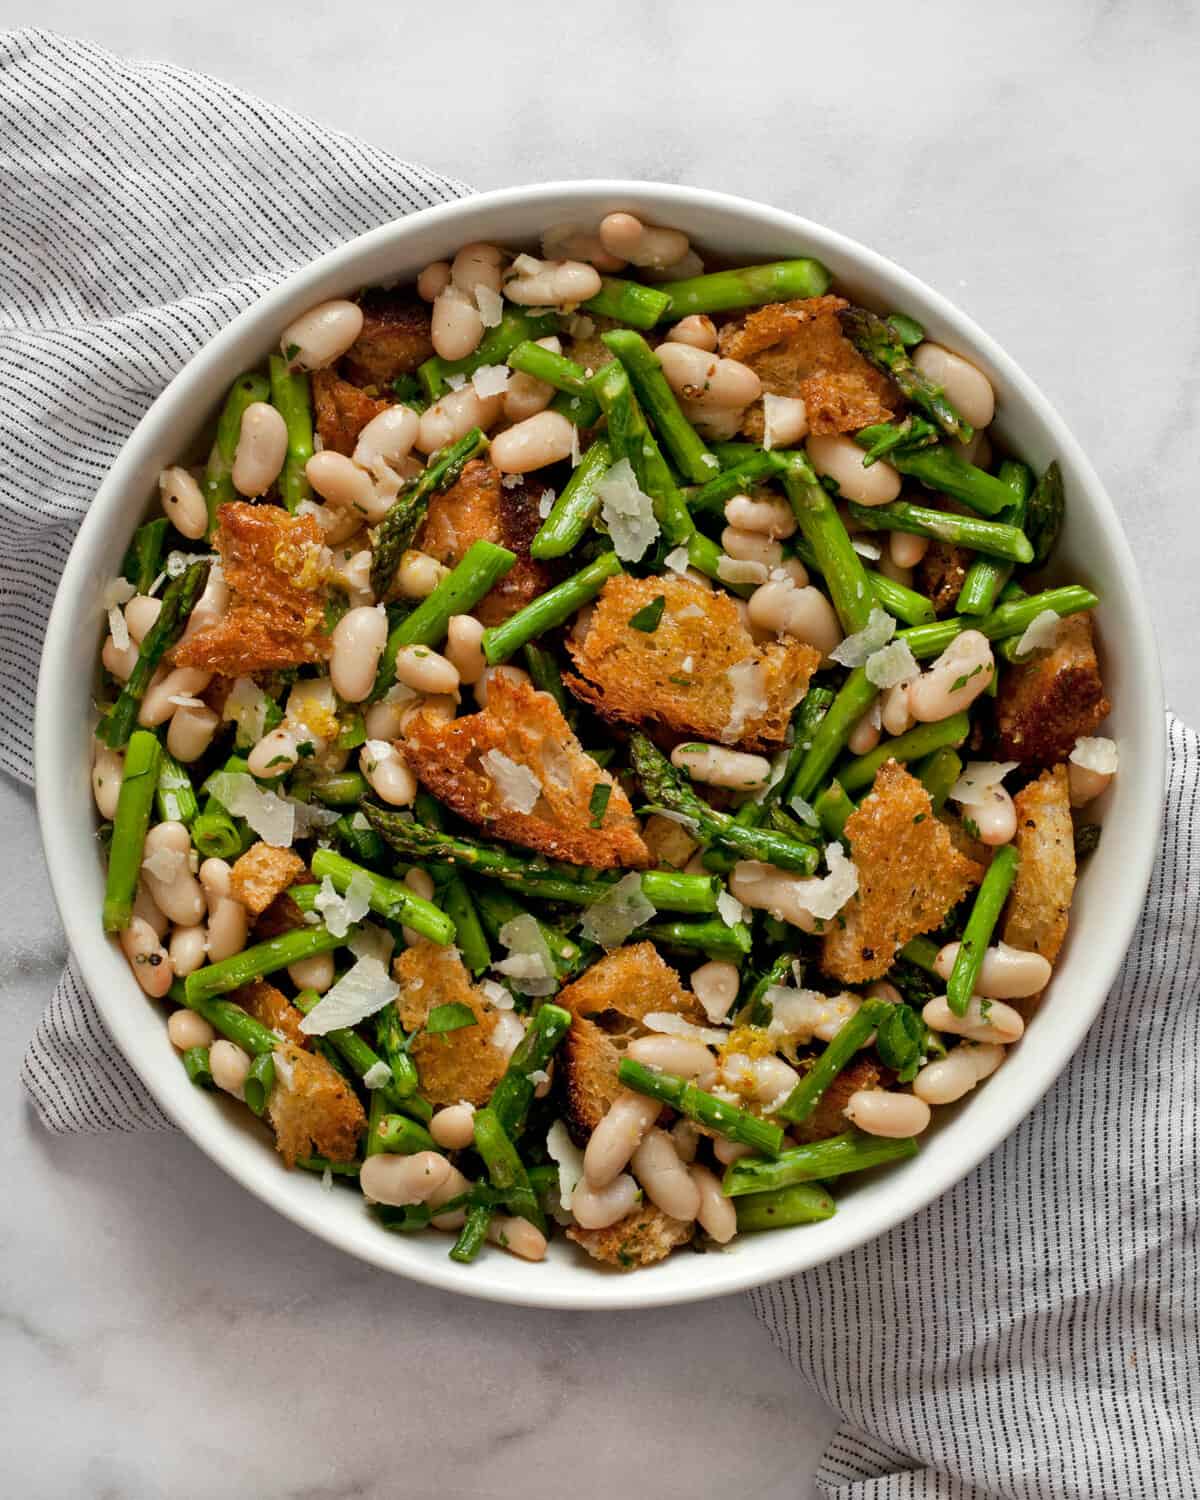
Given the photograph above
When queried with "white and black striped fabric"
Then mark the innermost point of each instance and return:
(1061, 1364)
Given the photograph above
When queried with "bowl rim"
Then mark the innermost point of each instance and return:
(110, 985)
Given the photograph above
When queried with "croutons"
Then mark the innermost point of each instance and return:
(909, 876)
(798, 349)
(941, 574)
(1040, 900)
(263, 873)
(283, 915)
(273, 566)
(828, 1117)
(1044, 705)
(273, 1009)
(698, 673)
(527, 728)
(669, 843)
(341, 411)
(639, 1239)
(395, 338)
(478, 507)
(607, 1005)
(312, 1109)
(453, 1065)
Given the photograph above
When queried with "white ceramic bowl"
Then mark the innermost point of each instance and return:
(1093, 550)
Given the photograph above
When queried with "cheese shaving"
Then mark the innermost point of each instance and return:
(546, 503)
(774, 408)
(876, 633)
(627, 511)
(165, 864)
(891, 665)
(372, 941)
(741, 570)
(749, 697)
(978, 780)
(456, 381)
(799, 1015)
(490, 380)
(490, 304)
(567, 1156)
(378, 1075)
(1040, 634)
(246, 706)
(870, 550)
(342, 912)
(805, 812)
(519, 788)
(271, 816)
(181, 700)
(678, 561)
(284, 1072)
(528, 966)
(117, 591)
(615, 916)
(495, 994)
(669, 1024)
(361, 992)
(1096, 753)
(118, 628)
(730, 909)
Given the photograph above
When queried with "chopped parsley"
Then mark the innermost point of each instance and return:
(647, 618)
(292, 350)
(961, 682)
(598, 802)
(453, 1016)
(971, 826)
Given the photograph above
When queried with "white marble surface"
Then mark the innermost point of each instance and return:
(162, 1333)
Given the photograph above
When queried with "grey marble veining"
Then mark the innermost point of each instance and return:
(162, 1333)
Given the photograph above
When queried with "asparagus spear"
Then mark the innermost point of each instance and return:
(389, 898)
(877, 341)
(498, 906)
(139, 779)
(899, 600)
(985, 913)
(705, 1109)
(995, 538)
(692, 456)
(260, 1080)
(264, 958)
(805, 1203)
(906, 329)
(905, 437)
(394, 534)
(939, 468)
(179, 599)
(816, 1162)
(549, 609)
(630, 438)
(473, 1235)
(547, 678)
(852, 1034)
(711, 937)
(494, 348)
(218, 480)
(576, 508)
(455, 897)
(752, 468)
(291, 398)
(823, 530)
(391, 1043)
(756, 1009)
(143, 561)
(749, 286)
(197, 1066)
(832, 808)
(505, 1168)
(853, 700)
(1044, 513)
(339, 788)
(567, 377)
(921, 740)
(987, 576)
(228, 1018)
(938, 773)
(174, 793)
(629, 302)
(363, 843)
(362, 1058)
(513, 1095)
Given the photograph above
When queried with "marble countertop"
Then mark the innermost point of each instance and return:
(165, 1334)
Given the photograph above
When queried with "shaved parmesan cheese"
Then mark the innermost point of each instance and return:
(627, 511)
(118, 629)
(372, 941)
(799, 1015)
(567, 1156)
(1096, 753)
(528, 965)
(342, 912)
(272, 817)
(891, 665)
(805, 812)
(689, 612)
(610, 920)
(360, 993)
(178, 563)
(730, 909)
(456, 381)
(327, 1180)
(378, 1075)
(876, 633)
(823, 898)
(511, 481)
(580, 326)
(1040, 634)
(741, 570)
(117, 591)
(575, 452)
(165, 864)
(526, 265)
(495, 994)
(519, 788)
(979, 777)
(670, 1024)
(870, 550)
(490, 380)
(507, 1034)
(546, 503)
(774, 408)
(749, 697)
(246, 706)
(180, 700)
(283, 1069)
(490, 304)
(309, 818)
(677, 560)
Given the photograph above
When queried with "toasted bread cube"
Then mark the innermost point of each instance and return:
(263, 873)
(639, 1239)
(273, 1009)
(698, 673)
(341, 411)
(941, 574)
(1044, 705)
(395, 338)
(909, 876)
(669, 842)
(312, 1109)
(527, 727)
(1039, 903)
(454, 1065)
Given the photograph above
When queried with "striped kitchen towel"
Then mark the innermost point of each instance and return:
(1031, 1334)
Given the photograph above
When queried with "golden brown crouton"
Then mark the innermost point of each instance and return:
(312, 1108)
(1040, 900)
(341, 411)
(909, 876)
(478, 507)
(639, 1239)
(273, 566)
(273, 1009)
(526, 727)
(798, 349)
(283, 915)
(453, 1065)
(941, 574)
(263, 873)
(1044, 705)
(669, 842)
(828, 1119)
(394, 339)
(607, 1005)
(699, 673)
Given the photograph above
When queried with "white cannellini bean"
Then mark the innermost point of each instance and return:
(705, 380)
(186, 1029)
(401, 1180)
(978, 451)
(454, 1184)
(422, 669)
(999, 1023)
(337, 525)
(840, 458)
(453, 415)
(1005, 974)
(995, 817)
(888, 568)
(906, 550)
(697, 329)
(420, 883)
(149, 960)
(727, 1151)
(342, 484)
(785, 420)
(433, 280)
(178, 682)
(120, 661)
(387, 438)
(275, 754)
(228, 925)
(418, 574)
(715, 984)
(716, 423)
(389, 774)
(626, 236)
(476, 265)
(261, 449)
(881, 1113)
(556, 283)
(456, 326)
(351, 571)
(230, 1067)
(675, 1054)
(865, 735)
(895, 714)
(216, 880)
(514, 674)
(882, 989)
(385, 720)
(526, 395)
(464, 651)
(315, 973)
(718, 766)
(666, 1180)
(691, 265)
(453, 1127)
(715, 1212)
(358, 641)
(517, 1235)
(805, 613)
(686, 1136)
(598, 1207)
(955, 680)
(771, 517)
(183, 502)
(949, 1078)
(188, 949)
(322, 334)
(440, 706)
(966, 386)
(146, 907)
(781, 892)
(1085, 784)
(575, 242)
(616, 1137)
(764, 1079)
(190, 732)
(107, 770)
(546, 438)
(751, 546)
(140, 614)
(180, 897)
